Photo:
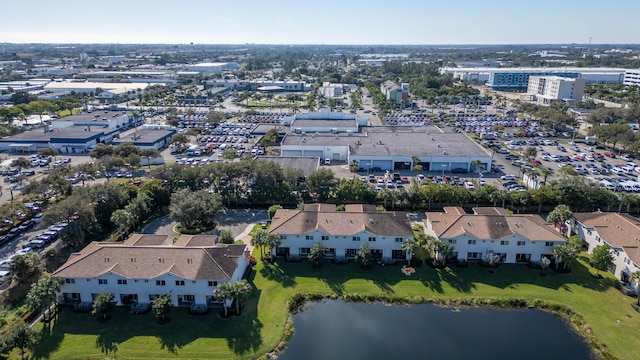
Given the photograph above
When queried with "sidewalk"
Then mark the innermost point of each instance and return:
(245, 238)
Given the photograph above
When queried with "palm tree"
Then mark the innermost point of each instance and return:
(241, 290)
(635, 279)
(410, 247)
(44, 292)
(259, 239)
(223, 292)
(437, 248)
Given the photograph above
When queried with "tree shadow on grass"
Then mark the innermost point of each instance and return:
(449, 276)
(275, 273)
(171, 343)
(108, 344)
(384, 286)
(244, 329)
(49, 340)
(336, 285)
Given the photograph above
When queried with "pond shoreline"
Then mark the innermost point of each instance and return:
(297, 303)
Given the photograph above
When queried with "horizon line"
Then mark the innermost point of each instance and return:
(306, 44)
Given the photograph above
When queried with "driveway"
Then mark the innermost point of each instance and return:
(238, 221)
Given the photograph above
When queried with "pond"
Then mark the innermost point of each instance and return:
(338, 330)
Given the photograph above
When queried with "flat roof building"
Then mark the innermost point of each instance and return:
(305, 164)
(517, 78)
(148, 138)
(632, 77)
(550, 89)
(391, 148)
(69, 140)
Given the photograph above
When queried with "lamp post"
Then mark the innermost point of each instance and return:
(444, 166)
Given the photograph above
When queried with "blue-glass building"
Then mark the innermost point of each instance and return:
(518, 80)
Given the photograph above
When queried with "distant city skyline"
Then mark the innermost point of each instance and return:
(332, 22)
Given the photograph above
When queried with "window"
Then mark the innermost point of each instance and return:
(356, 238)
(372, 238)
(452, 241)
(304, 251)
(283, 237)
(521, 243)
(474, 255)
(160, 283)
(213, 283)
(309, 237)
(324, 237)
(598, 239)
(179, 282)
(504, 242)
(351, 253)
(471, 242)
(548, 243)
(399, 240)
(70, 281)
(122, 281)
(102, 281)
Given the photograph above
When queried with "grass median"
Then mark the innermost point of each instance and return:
(260, 327)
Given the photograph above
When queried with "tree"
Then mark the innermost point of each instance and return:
(223, 292)
(23, 337)
(179, 139)
(226, 237)
(601, 258)
(272, 210)
(265, 240)
(568, 171)
(48, 152)
(544, 263)
(364, 254)
(270, 138)
(530, 152)
(635, 279)
(25, 267)
(316, 253)
(44, 292)
(410, 247)
(560, 215)
(148, 154)
(21, 163)
(122, 219)
(161, 306)
(100, 151)
(240, 291)
(229, 154)
(319, 182)
(438, 250)
(259, 240)
(195, 207)
(103, 305)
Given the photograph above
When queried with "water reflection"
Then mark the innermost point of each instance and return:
(339, 330)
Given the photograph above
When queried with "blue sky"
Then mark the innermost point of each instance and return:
(320, 21)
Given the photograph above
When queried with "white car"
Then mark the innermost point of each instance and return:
(508, 177)
(24, 251)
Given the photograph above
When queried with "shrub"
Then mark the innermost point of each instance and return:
(462, 263)
(83, 307)
(140, 308)
(198, 309)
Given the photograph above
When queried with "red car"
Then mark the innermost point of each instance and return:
(536, 162)
(610, 154)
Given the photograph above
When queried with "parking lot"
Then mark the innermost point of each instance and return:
(617, 172)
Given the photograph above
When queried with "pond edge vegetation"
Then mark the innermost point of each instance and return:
(598, 350)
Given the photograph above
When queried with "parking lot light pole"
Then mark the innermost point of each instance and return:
(444, 166)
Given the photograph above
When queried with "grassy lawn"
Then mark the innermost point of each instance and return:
(259, 328)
